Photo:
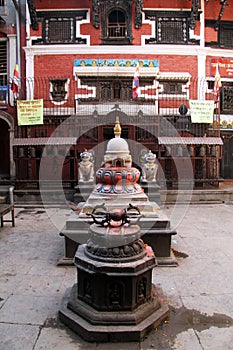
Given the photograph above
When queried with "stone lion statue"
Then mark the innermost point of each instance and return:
(149, 166)
(86, 167)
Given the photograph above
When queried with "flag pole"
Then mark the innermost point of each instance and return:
(135, 84)
(218, 125)
(217, 88)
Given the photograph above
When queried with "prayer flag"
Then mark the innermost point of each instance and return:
(15, 82)
(135, 85)
(217, 83)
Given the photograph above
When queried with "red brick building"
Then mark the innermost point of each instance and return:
(80, 60)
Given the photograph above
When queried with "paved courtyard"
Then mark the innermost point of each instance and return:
(199, 291)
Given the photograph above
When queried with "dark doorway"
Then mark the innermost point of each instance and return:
(227, 157)
(5, 150)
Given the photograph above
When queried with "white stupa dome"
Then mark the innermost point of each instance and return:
(117, 145)
(118, 148)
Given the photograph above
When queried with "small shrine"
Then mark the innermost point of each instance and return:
(117, 187)
(117, 181)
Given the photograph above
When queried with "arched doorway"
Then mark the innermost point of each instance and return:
(7, 166)
(5, 150)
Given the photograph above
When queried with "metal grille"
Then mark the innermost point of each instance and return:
(172, 30)
(59, 30)
(226, 37)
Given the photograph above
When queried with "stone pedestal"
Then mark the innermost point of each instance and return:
(114, 299)
(155, 231)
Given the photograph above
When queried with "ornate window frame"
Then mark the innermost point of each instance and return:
(178, 21)
(69, 19)
(108, 7)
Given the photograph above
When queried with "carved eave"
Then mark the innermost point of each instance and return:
(194, 14)
(223, 4)
(33, 14)
(96, 13)
(138, 14)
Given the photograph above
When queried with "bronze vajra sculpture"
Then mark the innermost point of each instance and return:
(115, 217)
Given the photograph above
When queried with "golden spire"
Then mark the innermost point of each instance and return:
(117, 128)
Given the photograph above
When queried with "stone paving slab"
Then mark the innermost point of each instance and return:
(18, 336)
(199, 291)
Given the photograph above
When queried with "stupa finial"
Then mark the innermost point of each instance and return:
(117, 128)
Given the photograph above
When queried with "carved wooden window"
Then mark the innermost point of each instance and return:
(172, 30)
(170, 27)
(116, 20)
(172, 87)
(105, 91)
(59, 30)
(116, 24)
(58, 89)
(226, 35)
(227, 98)
(126, 91)
(60, 27)
(116, 89)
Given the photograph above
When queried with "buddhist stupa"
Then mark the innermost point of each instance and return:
(116, 180)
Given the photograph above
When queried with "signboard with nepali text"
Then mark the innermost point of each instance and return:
(30, 112)
(225, 67)
(201, 111)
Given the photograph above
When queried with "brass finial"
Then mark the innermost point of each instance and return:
(117, 128)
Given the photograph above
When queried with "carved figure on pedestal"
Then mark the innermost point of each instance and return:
(149, 166)
(86, 167)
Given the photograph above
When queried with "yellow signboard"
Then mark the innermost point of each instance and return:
(30, 112)
(201, 111)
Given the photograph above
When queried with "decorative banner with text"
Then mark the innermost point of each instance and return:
(225, 66)
(201, 111)
(30, 112)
